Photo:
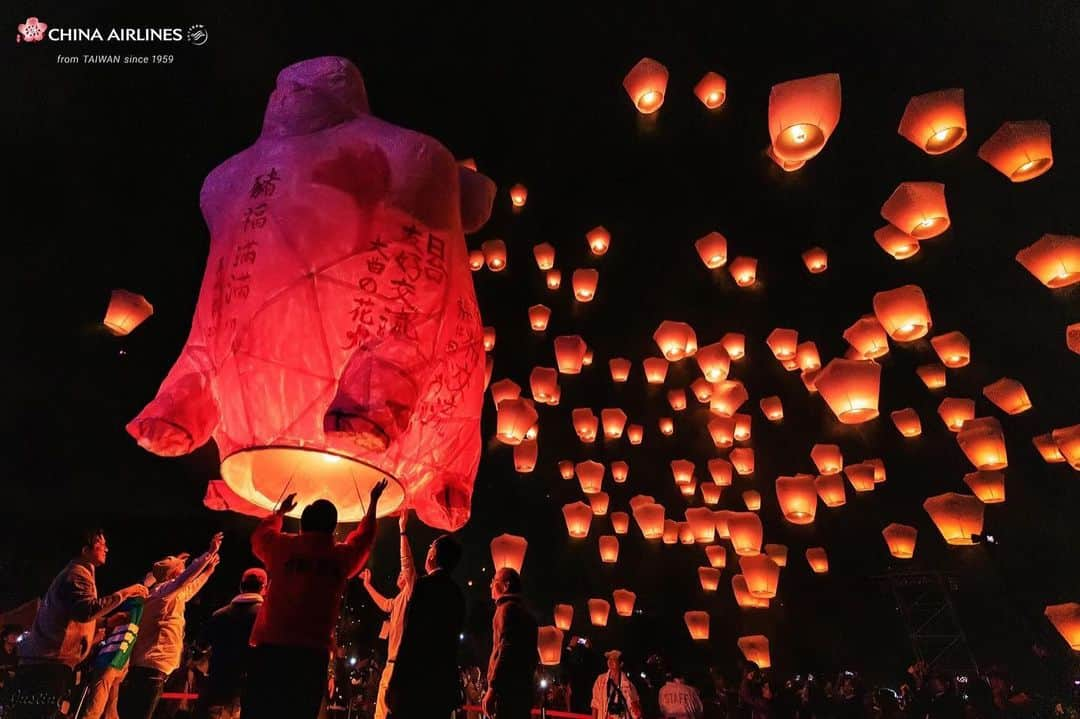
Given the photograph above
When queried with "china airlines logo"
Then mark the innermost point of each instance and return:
(33, 30)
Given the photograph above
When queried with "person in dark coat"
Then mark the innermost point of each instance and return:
(424, 684)
(513, 650)
(228, 634)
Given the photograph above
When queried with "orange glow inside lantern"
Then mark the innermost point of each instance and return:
(783, 343)
(797, 497)
(988, 486)
(716, 555)
(671, 531)
(635, 433)
(619, 471)
(702, 523)
(720, 470)
(1066, 620)
(900, 539)
(702, 389)
(722, 431)
(620, 522)
(1048, 448)
(850, 388)
(953, 348)
(1067, 440)
(508, 550)
(1019, 150)
(650, 519)
(778, 553)
(867, 337)
(712, 249)
(682, 470)
(525, 456)
(677, 399)
(578, 516)
(676, 340)
(609, 549)
(734, 343)
(744, 270)
(613, 420)
(655, 369)
(955, 411)
(818, 560)
(697, 623)
(515, 417)
(553, 279)
(807, 357)
(566, 469)
(598, 612)
(932, 375)
(646, 84)
(711, 89)
(1054, 260)
(903, 313)
(816, 260)
(494, 254)
(599, 503)
(620, 369)
(861, 476)
(896, 242)
(756, 649)
(727, 397)
(564, 616)
(802, 115)
(549, 643)
(588, 358)
(476, 260)
(542, 382)
(488, 336)
(1009, 395)
(830, 487)
(983, 442)
(126, 311)
(585, 424)
(570, 353)
(714, 362)
(598, 239)
(752, 499)
(545, 255)
(709, 578)
(959, 517)
(918, 208)
(687, 490)
(743, 597)
(742, 458)
(624, 602)
(518, 194)
(667, 426)
(590, 476)
(907, 422)
(742, 427)
(710, 493)
(935, 122)
(762, 575)
(772, 408)
(746, 533)
(827, 458)
(539, 316)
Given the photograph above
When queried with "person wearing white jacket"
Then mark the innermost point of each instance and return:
(614, 696)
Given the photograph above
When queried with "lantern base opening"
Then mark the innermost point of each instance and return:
(855, 416)
(799, 142)
(944, 140)
(1031, 169)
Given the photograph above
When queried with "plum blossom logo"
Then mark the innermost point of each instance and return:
(33, 30)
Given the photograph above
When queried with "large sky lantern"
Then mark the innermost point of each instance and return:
(954, 411)
(676, 340)
(543, 381)
(599, 502)
(1019, 150)
(918, 208)
(816, 260)
(494, 254)
(743, 598)
(721, 471)
(489, 338)
(539, 316)
(717, 556)
(935, 122)
(570, 353)
(585, 424)
(671, 532)
(1009, 395)
(727, 397)
(549, 644)
(797, 498)
(1047, 448)
(697, 623)
(709, 577)
(598, 239)
(476, 260)
(566, 469)
(807, 356)
(553, 279)
(525, 456)
(897, 243)
(755, 648)
(900, 539)
(584, 283)
(646, 84)
(620, 522)
(655, 369)
(932, 375)
(609, 549)
(677, 399)
(508, 550)
(1066, 620)
(778, 553)
(742, 459)
(827, 458)
(959, 517)
(1054, 260)
(907, 422)
(903, 313)
(988, 486)
(734, 343)
(850, 388)
(818, 559)
(746, 533)
(599, 609)
(743, 425)
(744, 271)
(783, 343)
(762, 575)
(702, 389)
(578, 516)
(564, 616)
(613, 420)
(620, 369)
(752, 499)
(515, 417)
(544, 253)
(714, 362)
(619, 471)
(1068, 442)
(504, 389)
(802, 115)
(125, 312)
(590, 474)
(722, 431)
(772, 408)
(712, 249)
(711, 89)
(983, 442)
(650, 520)
(666, 425)
(953, 349)
(624, 602)
(710, 493)
(682, 470)
(830, 487)
(861, 476)
(635, 433)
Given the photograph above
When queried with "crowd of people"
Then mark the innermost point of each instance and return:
(266, 653)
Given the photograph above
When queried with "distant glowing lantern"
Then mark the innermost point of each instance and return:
(564, 616)
(667, 426)
(539, 315)
(932, 375)
(1072, 337)
(553, 279)
(716, 555)
(752, 500)
(802, 115)
(671, 532)
(494, 255)
(830, 487)
(545, 255)
(508, 550)
(903, 313)
(727, 397)
(955, 411)
(590, 476)
(655, 369)
(598, 239)
(598, 612)
(578, 518)
(783, 343)
(807, 357)
(850, 388)
(734, 343)
(742, 427)
(515, 417)
(797, 497)
(476, 260)
(935, 122)
(818, 560)
(746, 533)
(702, 389)
(1066, 620)
(709, 578)
(675, 340)
(566, 469)
(599, 503)
(816, 260)
(756, 649)
(687, 490)
(861, 476)
(635, 433)
(585, 424)
(620, 522)
(762, 575)
(646, 84)
(488, 337)
(613, 420)
(1054, 260)
(1048, 448)
(677, 399)
(518, 194)
(742, 458)
(711, 90)
(650, 519)
(827, 458)
(722, 431)
(900, 538)
(778, 553)
(918, 208)
(624, 601)
(609, 549)
(720, 470)
(126, 311)
(714, 362)
(1009, 395)
(1068, 443)
(983, 442)
(619, 471)
(743, 597)
(543, 382)
(525, 456)
(907, 422)
(504, 389)
(549, 644)
(896, 242)
(959, 517)
(772, 408)
(988, 486)
(620, 369)
(697, 623)
(570, 353)
(744, 270)
(640, 500)
(682, 470)
(953, 348)
(710, 493)
(867, 337)
(712, 249)
(1019, 150)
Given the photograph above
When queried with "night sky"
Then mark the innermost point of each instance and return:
(104, 167)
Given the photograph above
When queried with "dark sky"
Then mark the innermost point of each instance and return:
(105, 164)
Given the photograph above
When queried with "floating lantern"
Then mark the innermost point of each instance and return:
(710, 493)
(686, 534)
(578, 518)
(671, 532)
(802, 115)
(1019, 150)
(711, 90)
(783, 343)
(988, 486)
(879, 469)
(714, 362)
(1009, 395)
(1066, 620)
(830, 487)
(549, 644)
(543, 382)
(564, 616)
(743, 597)
(701, 389)
(620, 522)
(918, 208)
(935, 122)
(1072, 337)
(742, 427)
(515, 417)
(953, 348)
(494, 255)
(504, 389)
(533, 432)
(677, 399)
(539, 315)
(590, 476)
(959, 517)
(721, 517)
(867, 338)
(797, 497)
(983, 441)
(599, 503)
(1048, 448)
(1053, 259)
(682, 470)
(716, 555)
(734, 343)
(896, 242)
(126, 311)
(609, 549)
(778, 553)
(1068, 443)
(640, 500)
(900, 538)
(598, 239)
(545, 255)
(508, 550)
(584, 283)
(698, 624)
(709, 578)
(907, 422)
(712, 249)
(850, 388)
(585, 424)
(553, 279)
(762, 575)
(655, 369)
(772, 408)
(752, 499)
(932, 375)
(476, 260)
(742, 458)
(720, 470)
(746, 532)
(727, 397)
(598, 612)
(646, 84)
(816, 260)
(818, 560)
(675, 340)
(807, 357)
(619, 471)
(722, 431)
(903, 313)
(756, 650)
(624, 601)
(861, 476)
(587, 360)
(667, 426)
(566, 469)
(488, 338)
(650, 519)
(518, 194)
(613, 420)
(570, 353)
(635, 433)
(955, 411)
(744, 270)
(827, 458)
(525, 456)
(620, 369)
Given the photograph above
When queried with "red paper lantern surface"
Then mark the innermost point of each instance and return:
(1019, 150)
(896, 242)
(850, 388)
(126, 311)
(539, 316)
(525, 456)
(1048, 448)
(716, 555)
(553, 279)
(619, 471)
(983, 441)
(797, 497)
(802, 115)
(762, 575)
(655, 369)
(734, 343)
(545, 255)
(712, 249)
(818, 560)
(598, 612)
(609, 549)
(711, 90)
(508, 550)
(958, 517)
(953, 349)
(675, 340)
(1009, 395)
(1067, 440)
(932, 375)
(827, 458)
(816, 260)
(903, 313)
(783, 343)
(1072, 337)
(772, 408)
(744, 270)
(697, 623)
(935, 122)
(720, 470)
(564, 616)
(518, 195)
(1053, 259)
(549, 644)
(1066, 620)
(746, 532)
(955, 411)
(830, 487)
(988, 486)
(624, 602)
(900, 539)
(620, 369)
(918, 209)
(709, 577)
(494, 254)
(584, 282)
(620, 522)
(646, 84)
(907, 422)
(598, 239)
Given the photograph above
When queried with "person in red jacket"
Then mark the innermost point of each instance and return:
(294, 632)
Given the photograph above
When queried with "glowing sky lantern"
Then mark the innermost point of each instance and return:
(1066, 620)
(932, 375)
(918, 208)
(896, 242)
(746, 533)
(727, 397)
(624, 601)
(686, 532)
(518, 194)
(818, 560)
(585, 424)
(494, 254)
(508, 550)
(988, 486)
(598, 239)
(1054, 260)
(682, 470)
(590, 475)
(1019, 150)
(807, 356)
(578, 516)
(743, 425)
(620, 522)
(983, 442)
(907, 422)
(702, 524)
(1048, 448)
(959, 517)
(713, 361)
(620, 369)
(545, 255)
(646, 84)
(564, 616)
(903, 313)
(635, 433)
(1072, 337)
(711, 89)
(655, 369)
(598, 612)
(702, 389)
(709, 577)
(671, 532)
(599, 503)
(900, 539)
(802, 115)
(515, 417)
(650, 519)
(785, 165)
(553, 279)
(953, 348)
(830, 487)
(879, 469)
(584, 283)
(721, 517)
(1068, 442)
(762, 575)
(126, 311)
(797, 497)
(734, 343)
(808, 377)
(613, 421)
(772, 408)
(722, 431)
(1009, 395)
(539, 315)
(752, 499)
(861, 476)
(816, 260)
(666, 425)
(569, 353)
(543, 382)
(619, 471)
(783, 343)
(717, 556)
(955, 411)
(742, 458)
(676, 340)
(743, 597)
(935, 122)
(504, 389)
(566, 469)
(549, 644)
(687, 490)
(720, 470)
(476, 260)
(525, 456)
(744, 270)
(827, 458)
(867, 337)
(697, 623)
(677, 399)
(712, 249)
(609, 549)
(850, 388)
(488, 338)
(710, 493)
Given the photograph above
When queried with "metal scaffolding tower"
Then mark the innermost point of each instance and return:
(923, 600)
